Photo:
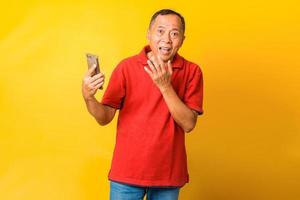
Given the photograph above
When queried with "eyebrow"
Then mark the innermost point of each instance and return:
(160, 27)
(176, 29)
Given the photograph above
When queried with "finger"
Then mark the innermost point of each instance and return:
(95, 77)
(152, 67)
(160, 60)
(91, 70)
(157, 67)
(102, 73)
(96, 82)
(157, 64)
(148, 71)
(163, 64)
(163, 68)
(99, 85)
(90, 85)
(170, 69)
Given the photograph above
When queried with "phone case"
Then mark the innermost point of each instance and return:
(93, 59)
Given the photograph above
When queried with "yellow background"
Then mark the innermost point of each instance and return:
(246, 146)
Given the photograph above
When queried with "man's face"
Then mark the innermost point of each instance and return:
(165, 36)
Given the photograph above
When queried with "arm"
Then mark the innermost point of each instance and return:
(161, 75)
(183, 115)
(90, 84)
(102, 113)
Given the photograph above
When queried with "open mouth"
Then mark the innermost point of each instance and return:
(165, 50)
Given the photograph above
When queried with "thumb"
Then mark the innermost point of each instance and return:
(91, 70)
(170, 68)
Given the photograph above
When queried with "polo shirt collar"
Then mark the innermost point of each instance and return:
(177, 61)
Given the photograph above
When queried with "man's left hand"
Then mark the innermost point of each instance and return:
(160, 73)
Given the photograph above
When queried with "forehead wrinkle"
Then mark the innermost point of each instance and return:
(165, 19)
(172, 27)
(163, 22)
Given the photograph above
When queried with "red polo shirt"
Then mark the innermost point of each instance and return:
(150, 145)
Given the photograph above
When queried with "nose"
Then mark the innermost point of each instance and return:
(166, 38)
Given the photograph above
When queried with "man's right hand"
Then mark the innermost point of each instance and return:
(90, 84)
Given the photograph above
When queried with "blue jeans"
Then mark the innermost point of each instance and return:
(121, 191)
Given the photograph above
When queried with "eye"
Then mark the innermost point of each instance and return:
(174, 34)
(160, 31)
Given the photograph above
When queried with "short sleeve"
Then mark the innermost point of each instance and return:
(193, 96)
(115, 91)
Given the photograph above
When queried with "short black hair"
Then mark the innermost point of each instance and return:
(167, 12)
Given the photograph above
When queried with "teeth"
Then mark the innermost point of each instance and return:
(164, 48)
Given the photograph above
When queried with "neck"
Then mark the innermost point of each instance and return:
(151, 56)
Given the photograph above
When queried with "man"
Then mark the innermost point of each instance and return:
(159, 96)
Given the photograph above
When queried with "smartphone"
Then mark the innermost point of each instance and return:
(93, 60)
